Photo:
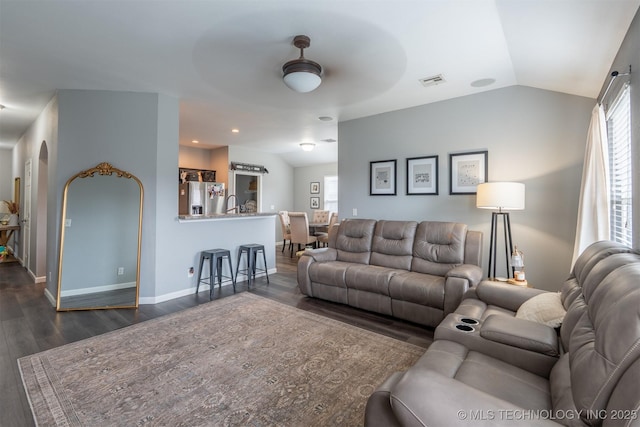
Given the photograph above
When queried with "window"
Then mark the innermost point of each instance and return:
(620, 167)
(331, 193)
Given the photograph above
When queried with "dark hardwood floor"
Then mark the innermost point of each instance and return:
(28, 323)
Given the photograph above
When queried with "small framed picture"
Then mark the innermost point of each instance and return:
(382, 178)
(315, 188)
(315, 202)
(466, 171)
(422, 175)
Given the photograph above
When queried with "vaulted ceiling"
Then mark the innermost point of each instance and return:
(223, 58)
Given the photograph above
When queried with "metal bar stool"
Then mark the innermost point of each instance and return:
(215, 257)
(252, 253)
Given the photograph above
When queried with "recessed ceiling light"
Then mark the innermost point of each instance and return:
(325, 118)
(235, 130)
(195, 141)
(483, 82)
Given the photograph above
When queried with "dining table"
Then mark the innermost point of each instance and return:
(314, 226)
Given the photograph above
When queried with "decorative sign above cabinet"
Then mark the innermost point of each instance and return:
(247, 167)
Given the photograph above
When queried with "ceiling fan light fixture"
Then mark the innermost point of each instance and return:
(307, 146)
(302, 75)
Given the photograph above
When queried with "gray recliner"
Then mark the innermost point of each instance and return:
(591, 378)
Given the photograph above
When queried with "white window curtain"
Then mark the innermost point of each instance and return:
(593, 210)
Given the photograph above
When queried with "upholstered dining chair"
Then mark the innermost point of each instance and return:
(299, 223)
(286, 229)
(323, 237)
(320, 217)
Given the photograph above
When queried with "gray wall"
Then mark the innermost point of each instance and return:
(121, 128)
(303, 177)
(6, 178)
(41, 135)
(277, 185)
(533, 136)
(629, 55)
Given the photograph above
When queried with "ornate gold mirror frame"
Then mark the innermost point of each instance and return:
(100, 240)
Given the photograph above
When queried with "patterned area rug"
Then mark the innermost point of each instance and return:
(241, 360)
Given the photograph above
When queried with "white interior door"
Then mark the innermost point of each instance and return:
(26, 213)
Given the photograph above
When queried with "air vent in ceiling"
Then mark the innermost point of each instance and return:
(328, 140)
(432, 81)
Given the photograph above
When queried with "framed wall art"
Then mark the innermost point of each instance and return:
(382, 178)
(466, 171)
(422, 175)
(315, 202)
(315, 188)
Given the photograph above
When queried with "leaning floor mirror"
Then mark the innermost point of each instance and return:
(101, 231)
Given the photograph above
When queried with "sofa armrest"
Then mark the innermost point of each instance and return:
(427, 398)
(309, 257)
(504, 295)
(470, 272)
(456, 283)
(521, 333)
(321, 254)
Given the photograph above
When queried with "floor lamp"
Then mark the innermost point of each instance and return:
(500, 196)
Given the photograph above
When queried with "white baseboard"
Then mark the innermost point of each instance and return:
(192, 290)
(50, 297)
(36, 279)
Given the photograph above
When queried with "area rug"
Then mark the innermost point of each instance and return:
(240, 360)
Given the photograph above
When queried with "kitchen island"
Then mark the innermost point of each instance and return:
(199, 232)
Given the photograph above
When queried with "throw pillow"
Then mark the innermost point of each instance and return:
(545, 308)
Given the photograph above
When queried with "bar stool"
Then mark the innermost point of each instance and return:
(252, 253)
(215, 257)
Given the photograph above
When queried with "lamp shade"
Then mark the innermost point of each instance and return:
(507, 196)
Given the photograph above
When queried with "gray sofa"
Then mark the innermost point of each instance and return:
(414, 271)
(505, 371)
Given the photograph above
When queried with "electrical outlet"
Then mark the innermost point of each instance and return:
(355, 212)
(273, 207)
(190, 272)
(120, 271)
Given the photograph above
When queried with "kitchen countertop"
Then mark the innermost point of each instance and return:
(217, 217)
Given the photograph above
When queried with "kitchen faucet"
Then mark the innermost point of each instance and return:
(235, 208)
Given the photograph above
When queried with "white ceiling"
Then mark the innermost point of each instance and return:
(223, 58)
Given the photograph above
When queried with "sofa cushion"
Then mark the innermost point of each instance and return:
(333, 273)
(353, 241)
(393, 244)
(423, 289)
(545, 308)
(438, 247)
(485, 373)
(370, 278)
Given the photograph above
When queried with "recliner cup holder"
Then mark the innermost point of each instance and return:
(469, 321)
(465, 328)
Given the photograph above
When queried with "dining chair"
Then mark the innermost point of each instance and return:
(299, 223)
(286, 228)
(320, 217)
(323, 237)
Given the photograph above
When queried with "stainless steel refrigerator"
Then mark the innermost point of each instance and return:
(201, 198)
